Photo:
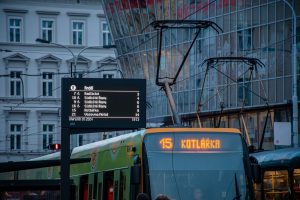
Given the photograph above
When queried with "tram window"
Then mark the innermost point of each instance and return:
(108, 190)
(276, 184)
(297, 183)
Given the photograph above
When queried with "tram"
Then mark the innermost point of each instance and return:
(182, 163)
(279, 175)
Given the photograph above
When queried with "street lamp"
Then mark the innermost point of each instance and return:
(75, 57)
(60, 45)
(294, 68)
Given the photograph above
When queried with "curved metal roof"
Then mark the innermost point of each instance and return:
(289, 157)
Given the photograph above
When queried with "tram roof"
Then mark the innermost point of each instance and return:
(106, 142)
(217, 130)
(289, 157)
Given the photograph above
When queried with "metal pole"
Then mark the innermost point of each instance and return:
(65, 164)
(76, 57)
(71, 72)
(172, 103)
(294, 69)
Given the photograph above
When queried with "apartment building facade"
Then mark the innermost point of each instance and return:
(31, 72)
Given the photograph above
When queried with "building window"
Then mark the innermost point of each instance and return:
(47, 84)
(15, 136)
(77, 32)
(15, 83)
(47, 29)
(15, 29)
(106, 36)
(80, 140)
(48, 132)
(108, 75)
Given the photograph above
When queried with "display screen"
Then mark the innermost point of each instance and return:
(103, 103)
(194, 141)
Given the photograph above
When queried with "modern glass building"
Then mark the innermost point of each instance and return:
(259, 29)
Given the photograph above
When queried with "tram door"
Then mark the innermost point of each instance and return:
(83, 188)
(108, 186)
(113, 186)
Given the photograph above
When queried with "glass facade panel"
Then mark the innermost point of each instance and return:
(271, 12)
(255, 29)
(264, 14)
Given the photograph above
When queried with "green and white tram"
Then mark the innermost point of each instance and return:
(182, 163)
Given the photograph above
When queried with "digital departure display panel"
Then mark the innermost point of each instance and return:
(196, 143)
(193, 142)
(103, 103)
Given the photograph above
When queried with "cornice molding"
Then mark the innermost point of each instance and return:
(42, 12)
(101, 15)
(49, 59)
(73, 14)
(16, 57)
(10, 10)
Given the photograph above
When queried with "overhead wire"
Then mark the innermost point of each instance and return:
(147, 40)
(37, 97)
(257, 49)
(32, 99)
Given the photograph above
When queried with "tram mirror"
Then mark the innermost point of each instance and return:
(136, 160)
(135, 174)
(256, 172)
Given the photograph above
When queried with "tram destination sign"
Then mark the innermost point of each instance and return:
(93, 103)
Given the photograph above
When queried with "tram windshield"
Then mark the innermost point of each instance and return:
(188, 166)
